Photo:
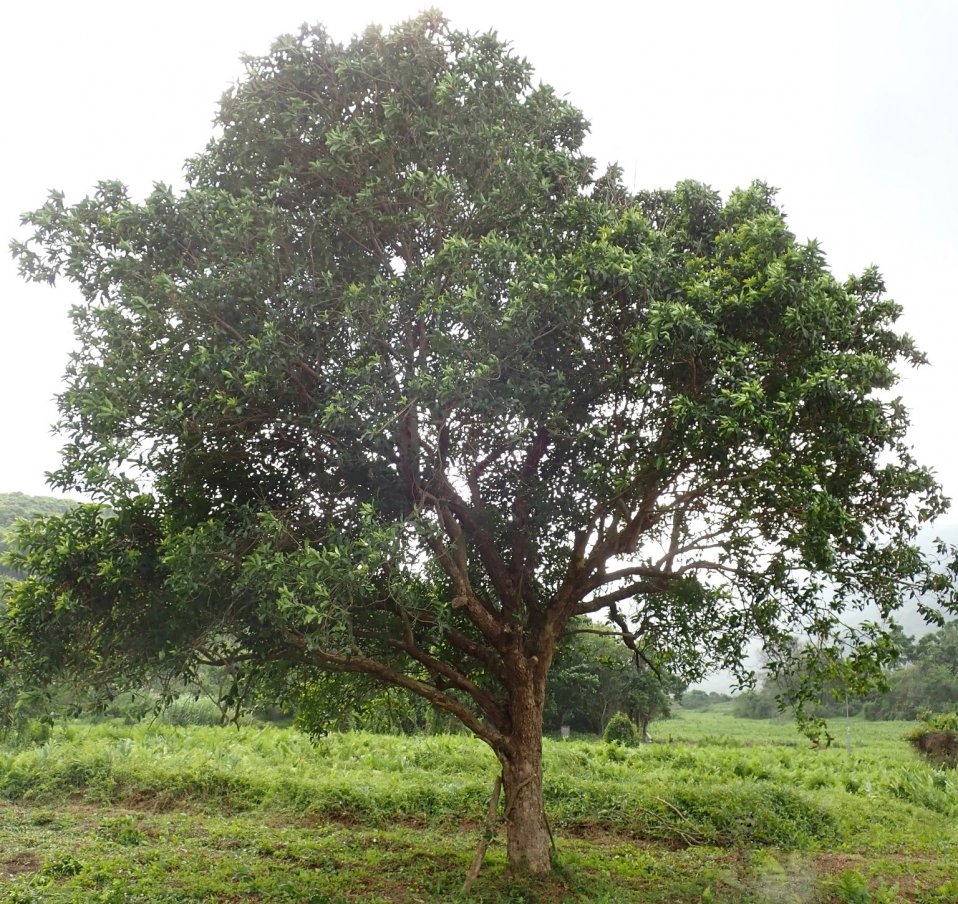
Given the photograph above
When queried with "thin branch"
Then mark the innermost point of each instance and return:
(643, 571)
(472, 478)
(466, 598)
(488, 832)
(629, 638)
(469, 520)
(597, 631)
(521, 547)
(706, 565)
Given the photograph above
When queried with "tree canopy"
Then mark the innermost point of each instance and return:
(397, 387)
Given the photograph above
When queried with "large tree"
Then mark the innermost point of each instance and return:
(397, 388)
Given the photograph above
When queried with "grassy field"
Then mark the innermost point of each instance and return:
(730, 811)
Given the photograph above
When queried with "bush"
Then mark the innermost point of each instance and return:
(752, 705)
(622, 730)
(937, 740)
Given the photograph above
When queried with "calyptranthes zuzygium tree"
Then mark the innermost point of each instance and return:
(397, 387)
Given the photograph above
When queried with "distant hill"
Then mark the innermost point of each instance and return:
(19, 505)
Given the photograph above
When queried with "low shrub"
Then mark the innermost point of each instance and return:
(936, 740)
(622, 730)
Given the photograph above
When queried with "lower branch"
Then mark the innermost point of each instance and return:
(482, 699)
(357, 662)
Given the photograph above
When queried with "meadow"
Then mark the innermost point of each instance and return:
(719, 809)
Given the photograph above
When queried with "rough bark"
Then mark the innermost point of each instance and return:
(528, 840)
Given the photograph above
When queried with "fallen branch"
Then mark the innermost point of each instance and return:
(690, 836)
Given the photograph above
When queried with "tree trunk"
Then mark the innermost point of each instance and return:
(528, 841)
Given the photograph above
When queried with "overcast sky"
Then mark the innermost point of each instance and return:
(848, 107)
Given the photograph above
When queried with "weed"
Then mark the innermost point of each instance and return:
(851, 887)
(122, 830)
(62, 866)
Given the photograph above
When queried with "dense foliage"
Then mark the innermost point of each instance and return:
(14, 506)
(398, 387)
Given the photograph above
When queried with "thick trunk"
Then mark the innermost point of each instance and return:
(528, 842)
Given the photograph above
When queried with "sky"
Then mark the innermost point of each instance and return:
(847, 107)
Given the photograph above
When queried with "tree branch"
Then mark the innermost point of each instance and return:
(617, 596)
(629, 638)
(466, 598)
(358, 663)
(469, 521)
(521, 547)
(643, 571)
(482, 699)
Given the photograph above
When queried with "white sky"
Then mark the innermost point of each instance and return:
(850, 108)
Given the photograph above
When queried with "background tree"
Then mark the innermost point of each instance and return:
(918, 676)
(699, 699)
(25, 709)
(926, 683)
(651, 697)
(397, 388)
(757, 704)
(594, 677)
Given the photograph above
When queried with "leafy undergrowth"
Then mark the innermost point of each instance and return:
(113, 813)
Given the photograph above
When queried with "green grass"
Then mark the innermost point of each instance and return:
(730, 811)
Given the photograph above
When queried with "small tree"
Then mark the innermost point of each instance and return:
(650, 698)
(398, 388)
(622, 730)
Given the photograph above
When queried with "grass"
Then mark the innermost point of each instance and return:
(730, 811)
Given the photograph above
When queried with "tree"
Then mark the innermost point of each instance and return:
(756, 705)
(699, 699)
(396, 387)
(939, 648)
(21, 707)
(593, 677)
(650, 698)
(928, 682)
